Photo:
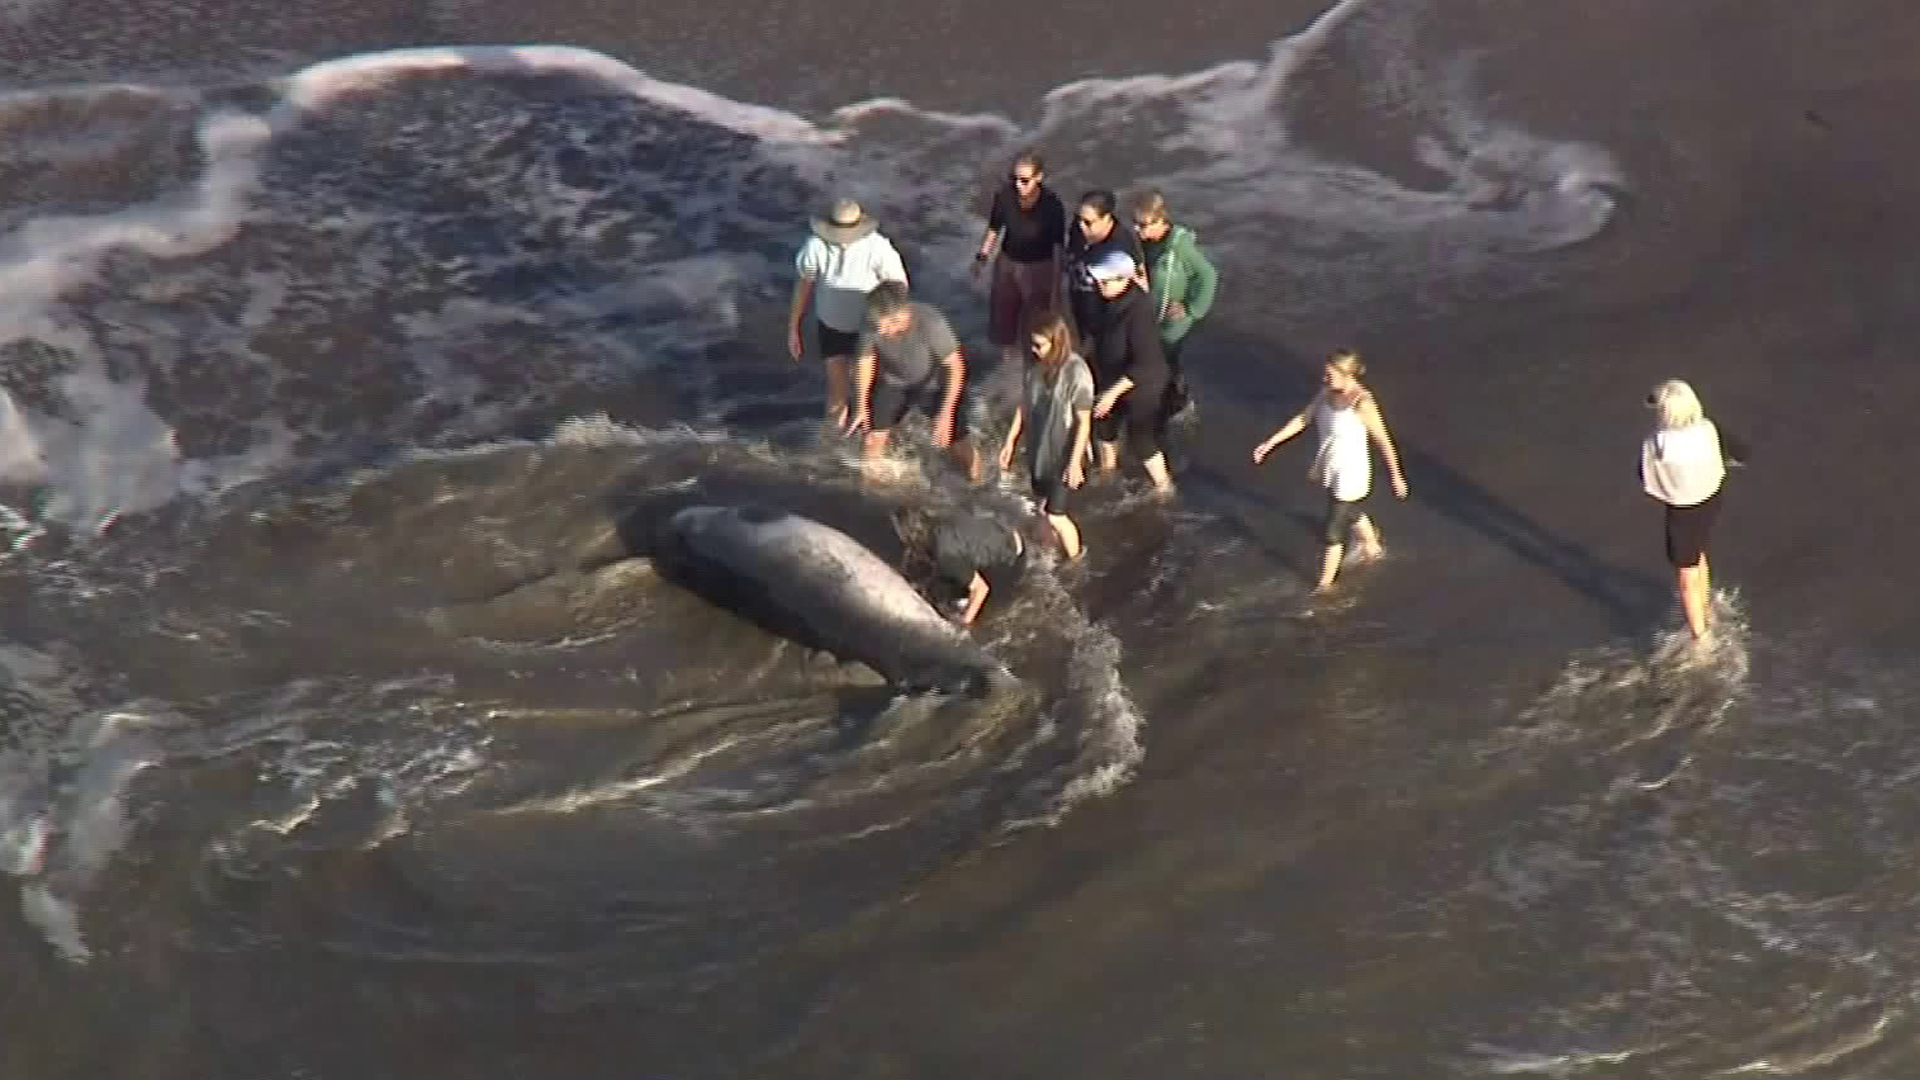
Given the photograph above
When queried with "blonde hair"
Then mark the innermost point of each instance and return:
(1150, 205)
(1347, 362)
(1679, 406)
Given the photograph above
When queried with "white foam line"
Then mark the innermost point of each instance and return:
(861, 110)
(48, 255)
(1285, 57)
(321, 84)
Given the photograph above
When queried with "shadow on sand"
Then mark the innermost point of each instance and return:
(1248, 387)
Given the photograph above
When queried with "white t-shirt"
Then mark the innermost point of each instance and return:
(843, 274)
(1683, 466)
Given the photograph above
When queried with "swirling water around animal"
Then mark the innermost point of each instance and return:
(342, 730)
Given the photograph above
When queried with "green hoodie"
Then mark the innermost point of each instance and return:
(1182, 273)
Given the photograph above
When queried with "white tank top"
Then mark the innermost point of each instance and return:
(1342, 464)
(1683, 466)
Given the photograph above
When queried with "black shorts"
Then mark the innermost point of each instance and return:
(889, 402)
(836, 342)
(1052, 493)
(1140, 417)
(1340, 518)
(1687, 530)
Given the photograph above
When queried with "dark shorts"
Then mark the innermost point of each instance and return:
(1141, 416)
(890, 402)
(1687, 530)
(1052, 493)
(1018, 288)
(1340, 518)
(836, 342)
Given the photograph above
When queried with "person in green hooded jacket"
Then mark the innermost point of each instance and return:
(1183, 281)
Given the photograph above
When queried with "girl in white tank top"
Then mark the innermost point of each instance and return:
(1347, 418)
(1342, 465)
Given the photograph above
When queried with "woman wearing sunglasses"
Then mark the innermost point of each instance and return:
(1026, 225)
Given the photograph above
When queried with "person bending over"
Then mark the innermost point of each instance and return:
(908, 357)
(970, 557)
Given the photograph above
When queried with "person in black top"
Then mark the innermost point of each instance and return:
(1027, 223)
(1129, 369)
(969, 556)
(1096, 232)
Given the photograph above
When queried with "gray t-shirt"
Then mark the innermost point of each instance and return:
(1053, 408)
(909, 358)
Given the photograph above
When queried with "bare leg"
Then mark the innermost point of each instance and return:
(1068, 532)
(967, 456)
(839, 384)
(1693, 597)
(1329, 566)
(1157, 469)
(1369, 537)
(1109, 455)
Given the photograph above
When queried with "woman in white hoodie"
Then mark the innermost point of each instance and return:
(1682, 464)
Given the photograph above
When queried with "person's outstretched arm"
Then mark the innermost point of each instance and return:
(796, 317)
(1286, 431)
(995, 232)
(943, 425)
(860, 413)
(1013, 435)
(1076, 474)
(977, 591)
(1377, 427)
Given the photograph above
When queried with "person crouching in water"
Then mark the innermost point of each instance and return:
(907, 356)
(1129, 369)
(1056, 416)
(1682, 465)
(1346, 416)
(969, 555)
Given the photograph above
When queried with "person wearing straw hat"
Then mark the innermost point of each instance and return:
(837, 267)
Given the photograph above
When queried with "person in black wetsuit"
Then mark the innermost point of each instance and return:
(1095, 233)
(1129, 369)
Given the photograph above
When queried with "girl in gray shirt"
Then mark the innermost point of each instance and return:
(1056, 415)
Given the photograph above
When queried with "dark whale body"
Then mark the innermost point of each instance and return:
(817, 586)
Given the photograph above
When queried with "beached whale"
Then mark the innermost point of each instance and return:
(822, 588)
